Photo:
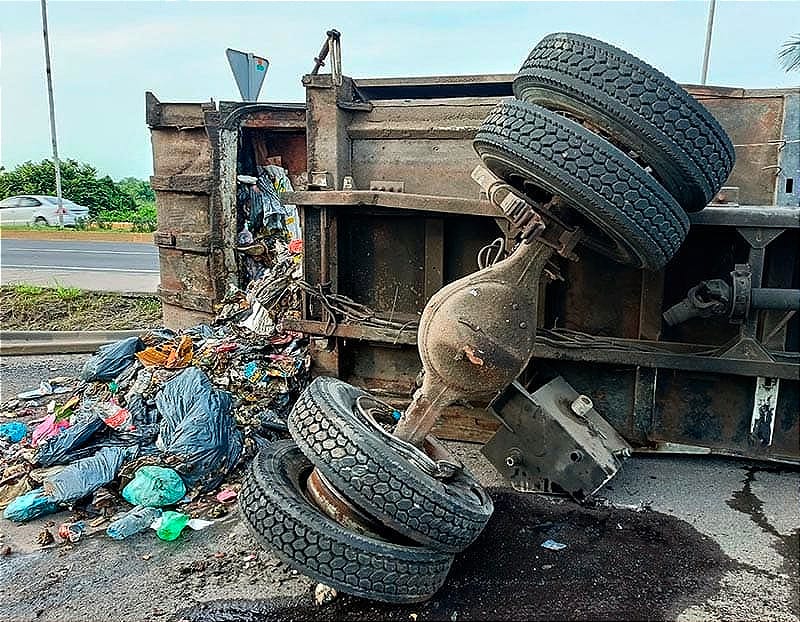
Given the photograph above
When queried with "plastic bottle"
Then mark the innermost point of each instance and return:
(172, 523)
(133, 521)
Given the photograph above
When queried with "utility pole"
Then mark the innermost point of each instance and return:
(56, 162)
(709, 30)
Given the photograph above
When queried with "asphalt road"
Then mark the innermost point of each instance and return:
(107, 266)
(748, 510)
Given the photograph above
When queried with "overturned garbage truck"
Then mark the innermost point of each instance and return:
(565, 264)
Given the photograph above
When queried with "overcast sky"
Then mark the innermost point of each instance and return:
(107, 54)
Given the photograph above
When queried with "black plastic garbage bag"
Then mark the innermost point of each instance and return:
(83, 477)
(144, 418)
(62, 447)
(111, 359)
(197, 427)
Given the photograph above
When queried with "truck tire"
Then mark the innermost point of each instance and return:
(445, 515)
(640, 107)
(281, 518)
(624, 212)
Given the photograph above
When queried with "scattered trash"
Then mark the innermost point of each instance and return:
(173, 354)
(196, 524)
(552, 545)
(154, 486)
(71, 532)
(169, 525)
(134, 521)
(5, 551)
(12, 490)
(324, 594)
(44, 389)
(45, 537)
(30, 505)
(14, 431)
(168, 417)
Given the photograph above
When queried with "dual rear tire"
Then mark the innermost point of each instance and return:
(427, 519)
(627, 150)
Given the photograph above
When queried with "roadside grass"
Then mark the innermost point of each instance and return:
(120, 228)
(30, 307)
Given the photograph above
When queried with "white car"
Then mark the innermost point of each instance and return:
(36, 209)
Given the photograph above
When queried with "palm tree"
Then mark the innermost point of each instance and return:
(789, 54)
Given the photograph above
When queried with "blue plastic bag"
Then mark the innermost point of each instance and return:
(14, 431)
(111, 359)
(82, 477)
(62, 447)
(198, 429)
(30, 505)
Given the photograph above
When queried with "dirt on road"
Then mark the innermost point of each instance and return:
(617, 565)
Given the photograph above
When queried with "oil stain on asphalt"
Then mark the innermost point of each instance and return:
(618, 565)
(786, 545)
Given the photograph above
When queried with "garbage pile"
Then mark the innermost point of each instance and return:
(264, 220)
(163, 421)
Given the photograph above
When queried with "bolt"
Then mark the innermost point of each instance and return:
(582, 405)
(514, 458)
(523, 325)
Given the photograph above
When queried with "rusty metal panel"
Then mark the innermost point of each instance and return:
(464, 236)
(382, 261)
(383, 369)
(180, 152)
(179, 212)
(597, 296)
(754, 126)
(715, 411)
(427, 166)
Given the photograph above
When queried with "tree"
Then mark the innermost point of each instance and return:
(789, 54)
(79, 182)
(139, 189)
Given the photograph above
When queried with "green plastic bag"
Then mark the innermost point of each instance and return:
(154, 486)
(171, 524)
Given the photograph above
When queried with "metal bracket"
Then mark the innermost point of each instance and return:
(741, 279)
(527, 216)
(553, 440)
(332, 46)
(765, 401)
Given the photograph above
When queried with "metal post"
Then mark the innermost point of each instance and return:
(49, 73)
(709, 30)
